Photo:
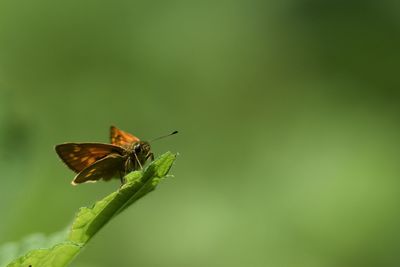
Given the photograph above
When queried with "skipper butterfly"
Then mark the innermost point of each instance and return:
(95, 161)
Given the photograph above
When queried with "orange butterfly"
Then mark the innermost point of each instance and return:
(95, 161)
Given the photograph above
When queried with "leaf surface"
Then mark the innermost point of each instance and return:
(89, 221)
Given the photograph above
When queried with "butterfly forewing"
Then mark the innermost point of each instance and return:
(121, 138)
(78, 156)
(105, 168)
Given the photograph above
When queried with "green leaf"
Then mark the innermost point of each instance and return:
(11, 250)
(59, 255)
(89, 221)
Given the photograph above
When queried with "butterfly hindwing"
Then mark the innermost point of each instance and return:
(105, 168)
(121, 138)
(78, 156)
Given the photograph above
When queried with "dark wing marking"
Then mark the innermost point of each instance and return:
(78, 156)
(105, 168)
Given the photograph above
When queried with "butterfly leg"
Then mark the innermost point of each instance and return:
(125, 172)
(122, 177)
(151, 156)
(126, 166)
(138, 161)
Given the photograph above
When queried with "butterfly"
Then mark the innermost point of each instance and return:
(96, 161)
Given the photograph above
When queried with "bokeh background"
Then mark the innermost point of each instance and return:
(288, 113)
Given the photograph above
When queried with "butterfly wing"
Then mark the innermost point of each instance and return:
(78, 156)
(105, 168)
(121, 138)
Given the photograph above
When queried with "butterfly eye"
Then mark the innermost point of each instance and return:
(138, 148)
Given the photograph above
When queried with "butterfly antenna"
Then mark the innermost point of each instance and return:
(174, 132)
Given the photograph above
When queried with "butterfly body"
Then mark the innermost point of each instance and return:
(136, 156)
(95, 161)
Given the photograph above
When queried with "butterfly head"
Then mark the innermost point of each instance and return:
(142, 148)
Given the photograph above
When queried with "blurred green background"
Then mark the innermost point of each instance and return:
(288, 113)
